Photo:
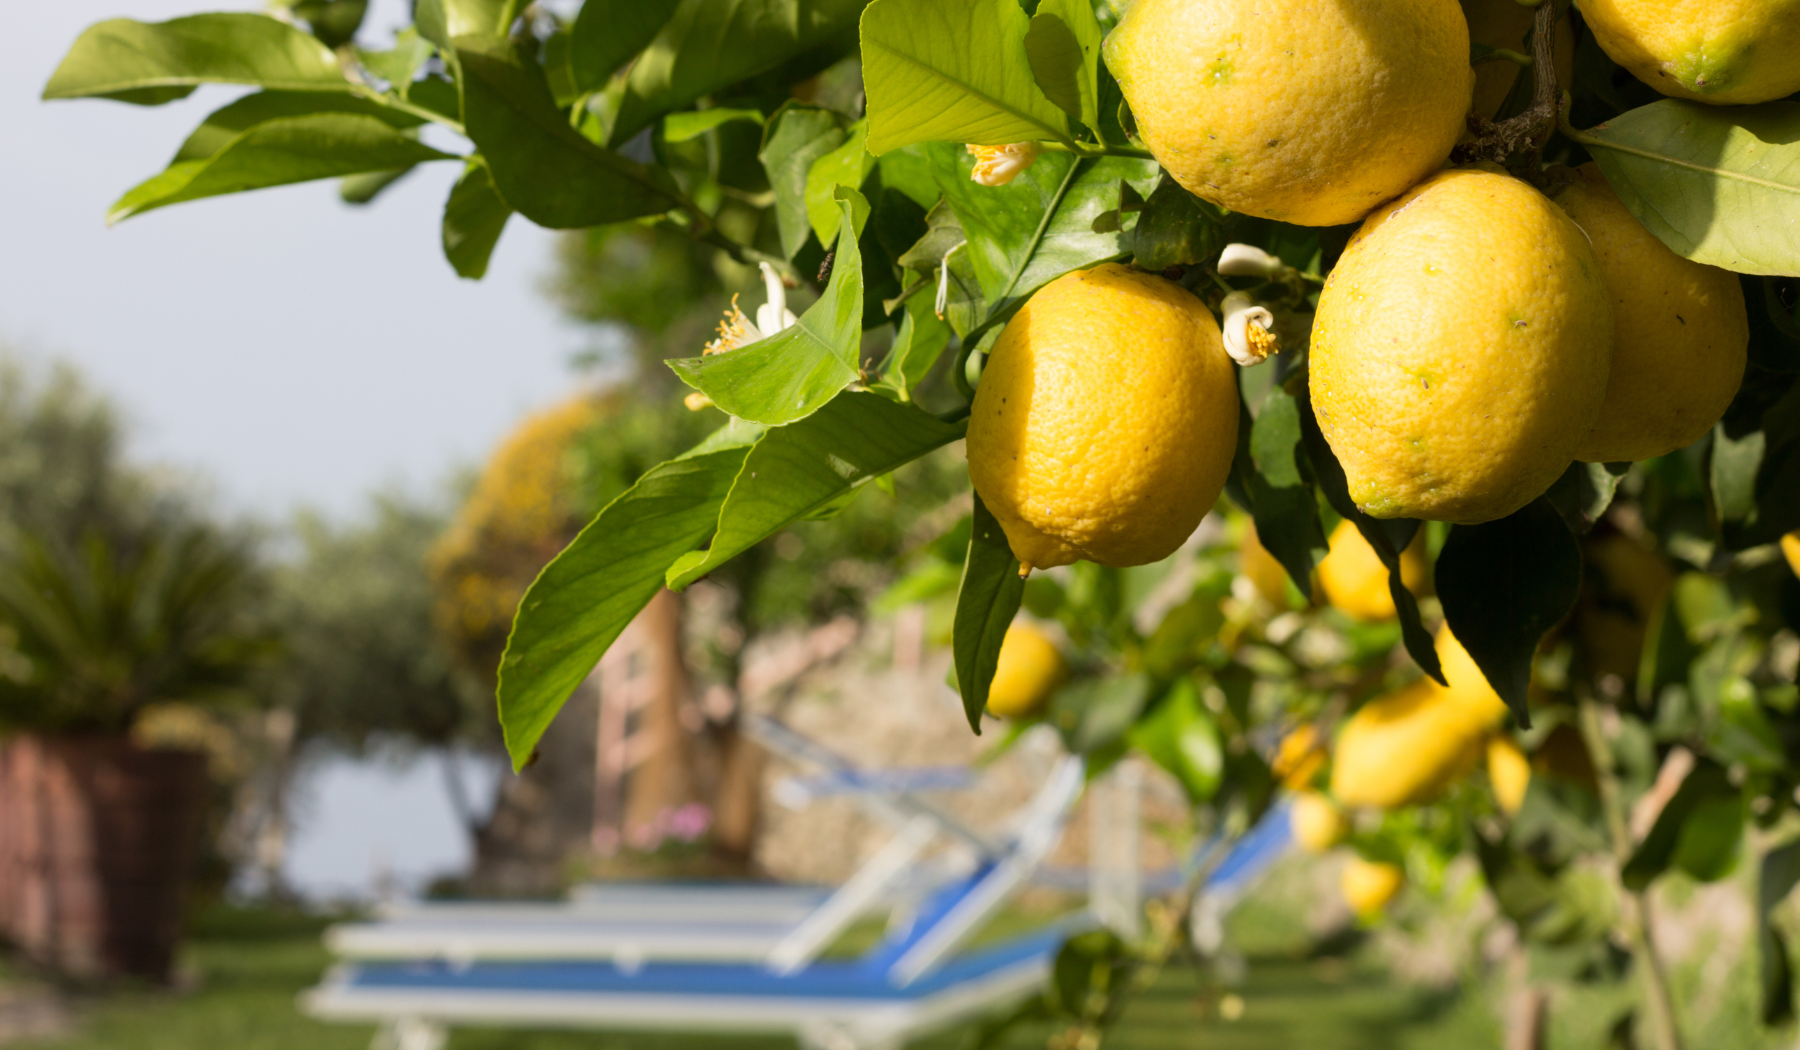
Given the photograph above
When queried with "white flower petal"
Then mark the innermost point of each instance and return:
(1247, 260)
(1245, 346)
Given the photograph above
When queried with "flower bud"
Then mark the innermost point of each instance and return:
(1247, 260)
(999, 165)
(1249, 337)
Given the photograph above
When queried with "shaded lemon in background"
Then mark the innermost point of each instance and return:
(1509, 771)
(1478, 703)
(1405, 748)
(1625, 584)
(1354, 579)
(1029, 670)
(1261, 568)
(1461, 349)
(1317, 823)
(1299, 757)
(1504, 23)
(1718, 51)
(1369, 885)
(1681, 333)
(1790, 546)
(1306, 111)
(1106, 420)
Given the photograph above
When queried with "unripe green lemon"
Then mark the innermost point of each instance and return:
(1106, 420)
(1317, 823)
(1355, 580)
(1461, 350)
(1307, 111)
(1029, 670)
(1681, 333)
(1718, 51)
(1369, 885)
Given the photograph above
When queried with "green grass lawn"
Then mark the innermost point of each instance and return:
(249, 967)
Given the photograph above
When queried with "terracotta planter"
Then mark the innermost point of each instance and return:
(97, 840)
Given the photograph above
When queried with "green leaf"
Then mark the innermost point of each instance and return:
(1177, 229)
(1584, 492)
(1503, 585)
(1063, 45)
(442, 21)
(474, 217)
(608, 32)
(227, 123)
(399, 65)
(709, 44)
(364, 188)
(1181, 736)
(797, 470)
(1706, 784)
(1717, 184)
(1095, 713)
(952, 71)
(986, 602)
(792, 374)
(592, 590)
(1281, 490)
(545, 169)
(680, 127)
(847, 165)
(794, 138)
(279, 153)
(1041, 225)
(922, 340)
(1779, 873)
(122, 55)
(1755, 476)
(1388, 538)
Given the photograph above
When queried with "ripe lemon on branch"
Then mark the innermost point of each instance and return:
(1718, 51)
(1355, 580)
(1029, 670)
(1306, 111)
(1369, 885)
(1106, 420)
(1461, 350)
(1681, 333)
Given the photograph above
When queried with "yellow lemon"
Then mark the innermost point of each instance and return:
(1260, 568)
(1106, 420)
(1354, 579)
(1790, 546)
(1029, 670)
(1404, 749)
(1681, 333)
(1509, 771)
(1299, 758)
(1478, 703)
(1718, 51)
(1307, 111)
(1461, 350)
(1317, 823)
(1626, 584)
(1504, 23)
(1368, 885)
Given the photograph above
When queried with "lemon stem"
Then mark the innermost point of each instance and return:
(1523, 136)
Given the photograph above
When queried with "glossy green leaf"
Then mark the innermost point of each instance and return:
(577, 606)
(1281, 490)
(797, 470)
(795, 137)
(1504, 584)
(543, 168)
(792, 374)
(680, 127)
(442, 21)
(1177, 228)
(607, 33)
(847, 165)
(952, 71)
(986, 602)
(1387, 538)
(1041, 225)
(364, 188)
(709, 44)
(1707, 783)
(1181, 736)
(279, 153)
(1717, 184)
(922, 339)
(1063, 44)
(122, 55)
(1584, 492)
(474, 217)
(400, 64)
(225, 124)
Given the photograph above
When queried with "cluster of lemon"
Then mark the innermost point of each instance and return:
(1478, 335)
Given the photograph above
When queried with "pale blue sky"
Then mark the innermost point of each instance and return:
(294, 349)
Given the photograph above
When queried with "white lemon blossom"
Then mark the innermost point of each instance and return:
(999, 165)
(1248, 329)
(1247, 260)
(737, 330)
